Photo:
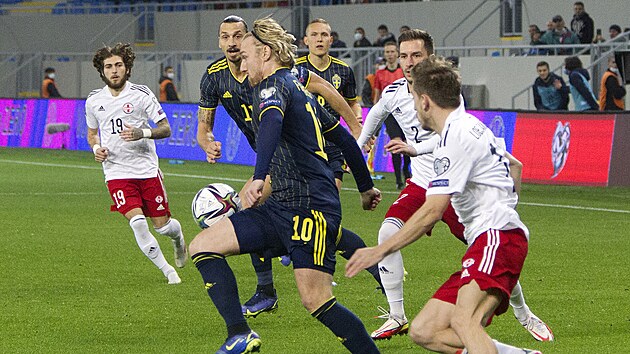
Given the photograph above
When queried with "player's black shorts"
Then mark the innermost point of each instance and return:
(392, 128)
(336, 161)
(272, 230)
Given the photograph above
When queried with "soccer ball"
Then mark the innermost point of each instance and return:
(213, 203)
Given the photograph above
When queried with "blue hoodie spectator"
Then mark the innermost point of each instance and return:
(581, 90)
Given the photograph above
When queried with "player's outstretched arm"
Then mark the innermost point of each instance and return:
(375, 118)
(418, 225)
(319, 86)
(205, 136)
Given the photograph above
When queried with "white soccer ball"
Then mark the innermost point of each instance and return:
(213, 203)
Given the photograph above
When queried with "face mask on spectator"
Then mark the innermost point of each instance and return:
(170, 75)
(51, 76)
(358, 36)
(566, 72)
(615, 70)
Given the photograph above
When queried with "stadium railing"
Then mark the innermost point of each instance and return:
(25, 69)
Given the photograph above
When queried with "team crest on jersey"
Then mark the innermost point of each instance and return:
(336, 81)
(441, 165)
(128, 108)
(266, 93)
(468, 263)
(159, 199)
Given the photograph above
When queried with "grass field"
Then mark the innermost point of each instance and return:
(74, 281)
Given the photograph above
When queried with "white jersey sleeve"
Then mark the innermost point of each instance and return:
(376, 116)
(90, 117)
(469, 165)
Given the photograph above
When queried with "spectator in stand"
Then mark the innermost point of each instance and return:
(598, 37)
(581, 91)
(404, 28)
(550, 27)
(49, 89)
(550, 91)
(336, 43)
(384, 36)
(535, 34)
(359, 38)
(614, 31)
(612, 90)
(582, 24)
(168, 93)
(560, 35)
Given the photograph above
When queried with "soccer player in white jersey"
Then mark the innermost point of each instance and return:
(471, 172)
(416, 46)
(118, 118)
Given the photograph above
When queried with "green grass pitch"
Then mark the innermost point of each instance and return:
(73, 280)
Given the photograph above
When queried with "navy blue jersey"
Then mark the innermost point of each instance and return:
(338, 73)
(219, 84)
(300, 175)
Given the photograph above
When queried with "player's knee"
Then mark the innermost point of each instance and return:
(200, 243)
(421, 332)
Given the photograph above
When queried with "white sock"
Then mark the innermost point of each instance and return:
(392, 270)
(172, 229)
(148, 244)
(517, 301)
(507, 349)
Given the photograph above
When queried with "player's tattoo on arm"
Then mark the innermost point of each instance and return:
(162, 131)
(206, 116)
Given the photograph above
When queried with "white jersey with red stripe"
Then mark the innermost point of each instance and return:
(136, 105)
(470, 165)
(398, 101)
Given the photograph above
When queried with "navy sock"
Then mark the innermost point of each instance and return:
(348, 243)
(263, 270)
(221, 286)
(346, 326)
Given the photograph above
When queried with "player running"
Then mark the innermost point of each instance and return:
(118, 118)
(415, 47)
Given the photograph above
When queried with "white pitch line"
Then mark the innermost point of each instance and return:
(560, 206)
(577, 207)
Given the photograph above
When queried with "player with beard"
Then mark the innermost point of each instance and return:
(224, 82)
(118, 118)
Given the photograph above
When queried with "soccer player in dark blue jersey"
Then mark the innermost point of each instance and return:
(302, 216)
(224, 82)
(335, 71)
